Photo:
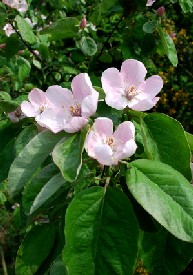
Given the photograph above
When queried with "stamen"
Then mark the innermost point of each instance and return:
(75, 110)
(110, 142)
(131, 92)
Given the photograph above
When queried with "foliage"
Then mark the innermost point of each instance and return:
(74, 214)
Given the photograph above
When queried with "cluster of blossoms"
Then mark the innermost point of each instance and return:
(61, 109)
(20, 5)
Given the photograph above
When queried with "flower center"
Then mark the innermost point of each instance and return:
(42, 108)
(75, 110)
(110, 141)
(131, 92)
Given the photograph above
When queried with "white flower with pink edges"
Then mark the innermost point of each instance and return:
(109, 148)
(62, 109)
(128, 88)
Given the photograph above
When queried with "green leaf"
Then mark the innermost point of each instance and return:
(35, 185)
(101, 233)
(162, 253)
(88, 46)
(24, 68)
(168, 46)
(25, 30)
(190, 140)
(67, 155)
(58, 268)
(49, 191)
(62, 29)
(149, 27)
(164, 139)
(165, 194)
(10, 51)
(34, 249)
(29, 159)
(186, 5)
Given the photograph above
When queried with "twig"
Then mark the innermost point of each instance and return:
(110, 35)
(36, 56)
(3, 261)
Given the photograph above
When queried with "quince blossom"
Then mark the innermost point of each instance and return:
(20, 5)
(128, 88)
(70, 110)
(8, 29)
(108, 147)
(61, 109)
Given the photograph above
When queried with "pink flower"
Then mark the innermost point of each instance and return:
(108, 147)
(83, 23)
(37, 105)
(8, 30)
(150, 3)
(20, 5)
(128, 88)
(70, 110)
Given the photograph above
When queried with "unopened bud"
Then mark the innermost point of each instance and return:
(2, 46)
(83, 23)
(160, 12)
(172, 35)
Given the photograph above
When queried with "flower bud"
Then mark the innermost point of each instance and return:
(160, 12)
(83, 23)
(2, 46)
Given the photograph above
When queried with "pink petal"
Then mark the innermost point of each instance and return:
(125, 150)
(59, 97)
(51, 120)
(125, 131)
(75, 124)
(104, 155)
(37, 97)
(103, 126)
(92, 140)
(152, 86)
(133, 72)
(28, 109)
(116, 100)
(145, 105)
(89, 105)
(112, 81)
(81, 86)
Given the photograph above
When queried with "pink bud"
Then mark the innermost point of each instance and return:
(83, 23)
(160, 12)
(2, 46)
(172, 35)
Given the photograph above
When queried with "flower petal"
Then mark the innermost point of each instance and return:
(81, 86)
(89, 105)
(125, 131)
(51, 120)
(145, 105)
(75, 124)
(133, 72)
(152, 86)
(112, 81)
(29, 110)
(37, 97)
(59, 97)
(104, 155)
(125, 150)
(103, 126)
(116, 100)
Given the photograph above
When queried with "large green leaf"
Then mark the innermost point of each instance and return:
(162, 253)
(88, 46)
(62, 28)
(34, 249)
(29, 159)
(25, 30)
(35, 185)
(186, 5)
(165, 194)
(67, 155)
(50, 189)
(164, 139)
(101, 233)
(168, 46)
